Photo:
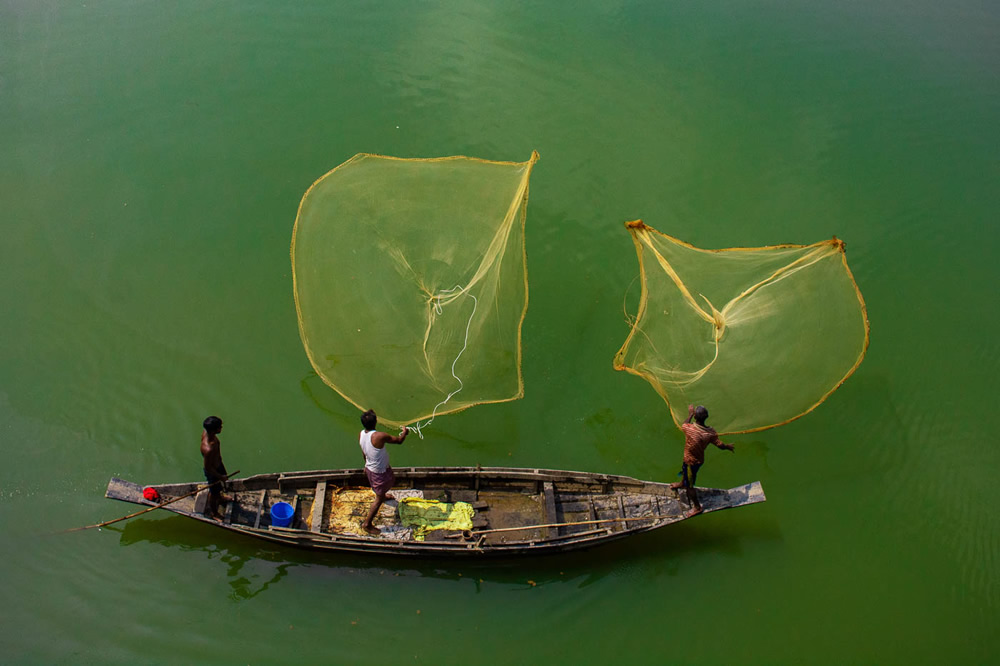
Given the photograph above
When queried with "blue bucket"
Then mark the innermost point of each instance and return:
(281, 514)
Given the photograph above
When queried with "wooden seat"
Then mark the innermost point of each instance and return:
(317, 511)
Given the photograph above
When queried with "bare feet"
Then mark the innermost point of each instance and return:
(370, 529)
(693, 512)
(389, 496)
(675, 486)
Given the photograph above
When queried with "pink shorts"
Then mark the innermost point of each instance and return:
(381, 483)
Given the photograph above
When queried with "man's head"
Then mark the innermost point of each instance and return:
(213, 425)
(700, 414)
(369, 420)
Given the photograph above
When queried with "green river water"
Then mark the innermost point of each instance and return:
(152, 158)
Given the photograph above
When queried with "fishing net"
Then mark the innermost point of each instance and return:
(760, 336)
(411, 283)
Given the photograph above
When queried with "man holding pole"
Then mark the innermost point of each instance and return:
(215, 470)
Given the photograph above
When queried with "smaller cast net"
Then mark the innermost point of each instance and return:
(411, 283)
(760, 336)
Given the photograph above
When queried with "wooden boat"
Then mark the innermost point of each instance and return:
(517, 511)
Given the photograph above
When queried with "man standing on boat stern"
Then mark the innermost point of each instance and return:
(215, 470)
(697, 437)
(377, 467)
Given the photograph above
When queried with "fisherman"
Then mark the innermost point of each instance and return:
(377, 467)
(215, 470)
(697, 437)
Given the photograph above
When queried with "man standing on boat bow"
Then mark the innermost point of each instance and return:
(697, 437)
(215, 470)
(377, 467)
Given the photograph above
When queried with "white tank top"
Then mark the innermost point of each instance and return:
(376, 460)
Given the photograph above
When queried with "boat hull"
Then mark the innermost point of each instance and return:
(517, 511)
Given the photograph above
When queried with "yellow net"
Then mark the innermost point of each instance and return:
(426, 515)
(410, 282)
(759, 336)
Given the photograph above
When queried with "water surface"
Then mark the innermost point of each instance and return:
(152, 157)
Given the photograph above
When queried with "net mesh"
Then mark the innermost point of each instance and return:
(411, 282)
(760, 336)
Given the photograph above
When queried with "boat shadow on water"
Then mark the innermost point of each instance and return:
(252, 567)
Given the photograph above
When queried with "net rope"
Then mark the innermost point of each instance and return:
(417, 426)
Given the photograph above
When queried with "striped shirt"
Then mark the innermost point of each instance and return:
(696, 440)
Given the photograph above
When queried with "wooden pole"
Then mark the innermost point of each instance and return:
(579, 522)
(152, 508)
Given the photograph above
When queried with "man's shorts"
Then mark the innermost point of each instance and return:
(214, 489)
(381, 482)
(686, 469)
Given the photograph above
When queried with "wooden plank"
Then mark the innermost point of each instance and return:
(621, 512)
(201, 501)
(593, 510)
(510, 474)
(573, 507)
(441, 535)
(575, 535)
(260, 509)
(318, 505)
(229, 510)
(305, 480)
(305, 477)
(638, 506)
(550, 515)
(126, 491)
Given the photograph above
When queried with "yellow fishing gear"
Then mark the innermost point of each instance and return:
(436, 244)
(759, 335)
(425, 515)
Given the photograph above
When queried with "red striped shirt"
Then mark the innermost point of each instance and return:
(696, 440)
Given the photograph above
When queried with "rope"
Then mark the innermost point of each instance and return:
(418, 427)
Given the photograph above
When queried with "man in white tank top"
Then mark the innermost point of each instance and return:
(377, 467)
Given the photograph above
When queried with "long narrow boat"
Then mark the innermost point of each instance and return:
(510, 511)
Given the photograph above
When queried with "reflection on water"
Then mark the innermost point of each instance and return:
(253, 566)
(249, 570)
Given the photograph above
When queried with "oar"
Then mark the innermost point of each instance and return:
(152, 508)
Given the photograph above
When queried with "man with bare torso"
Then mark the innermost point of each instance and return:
(377, 467)
(697, 437)
(215, 470)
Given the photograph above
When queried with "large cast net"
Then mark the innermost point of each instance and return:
(411, 284)
(760, 336)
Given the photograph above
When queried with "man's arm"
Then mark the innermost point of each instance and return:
(690, 413)
(380, 439)
(722, 445)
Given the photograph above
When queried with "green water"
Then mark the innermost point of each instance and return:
(152, 157)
